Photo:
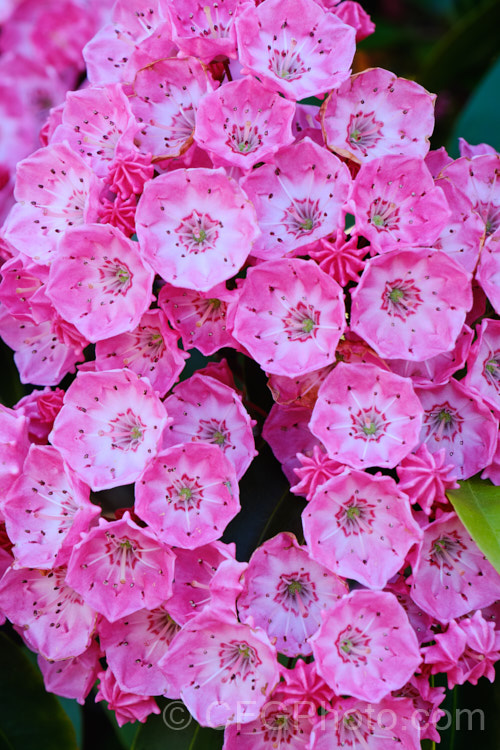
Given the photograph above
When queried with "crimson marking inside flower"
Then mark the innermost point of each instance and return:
(443, 421)
(301, 322)
(369, 424)
(210, 309)
(490, 213)
(127, 431)
(296, 592)
(115, 276)
(122, 553)
(401, 298)
(287, 63)
(214, 431)
(198, 232)
(353, 646)
(355, 729)
(239, 658)
(279, 726)
(364, 131)
(185, 493)
(446, 551)
(384, 215)
(491, 369)
(302, 217)
(355, 517)
(243, 139)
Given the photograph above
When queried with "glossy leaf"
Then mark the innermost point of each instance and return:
(30, 718)
(478, 123)
(477, 503)
(176, 729)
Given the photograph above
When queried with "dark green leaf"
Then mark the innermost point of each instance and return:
(478, 506)
(175, 729)
(466, 51)
(478, 123)
(30, 718)
(267, 506)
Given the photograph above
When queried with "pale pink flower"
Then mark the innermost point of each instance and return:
(119, 567)
(366, 416)
(360, 526)
(450, 575)
(298, 198)
(195, 227)
(242, 123)
(366, 646)
(285, 591)
(375, 113)
(99, 282)
(290, 316)
(223, 670)
(109, 428)
(295, 47)
(46, 509)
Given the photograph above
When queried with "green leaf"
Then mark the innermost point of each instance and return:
(478, 123)
(175, 729)
(30, 718)
(477, 504)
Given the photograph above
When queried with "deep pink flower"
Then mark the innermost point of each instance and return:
(287, 432)
(188, 494)
(205, 28)
(72, 678)
(128, 707)
(425, 477)
(314, 471)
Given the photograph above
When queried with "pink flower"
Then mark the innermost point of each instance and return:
(295, 47)
(425, 477)
(128, 707)
(204, 28)
(223, 670)
(374, 113)
(285, 591)
(109, 428)
(54, 619)
(188, 494)
(395, 201)
(99, 282)
(365, 646)
(290, 316)
(204, 409)
(314, 471)
(360, 526)
(119, 567)
(195, 227)
(451, 576)
(243, 123)
(411, 304)
(366, 416)
(46, 509)
(298, 198)
(72, 678)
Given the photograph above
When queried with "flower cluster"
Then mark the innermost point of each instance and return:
(185, 198)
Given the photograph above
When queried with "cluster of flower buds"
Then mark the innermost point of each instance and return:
(186, 198)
